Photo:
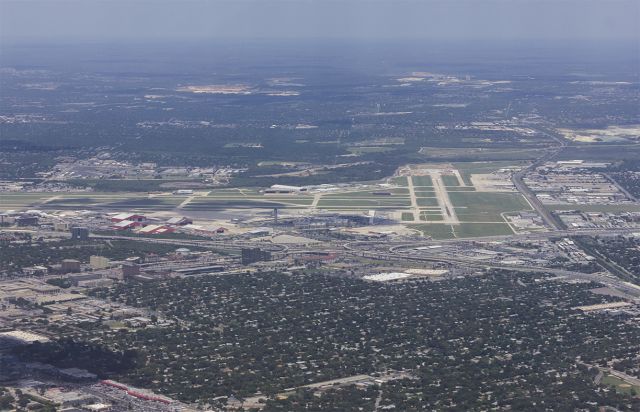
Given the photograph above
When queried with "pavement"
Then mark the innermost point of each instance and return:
(446, 206)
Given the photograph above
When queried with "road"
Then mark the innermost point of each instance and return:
(221, 244)
(391, 245)
(620, 187)
(518, 181)
(447, 209)
(402, 253)
(414, 201)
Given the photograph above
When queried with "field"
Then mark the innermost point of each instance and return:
(376, 203)
(422, 180)
(21, 200)
(485, 206)
(481, 229)
(619, 385)
(434, 230)
(407, 217)
(450, 180)
(462, 230)
(468, 168)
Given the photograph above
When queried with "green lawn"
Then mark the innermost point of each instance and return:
(481, 229)
(422, 180)
(407, 217)
(461, 189)
(369, 202)
(620, 385)
(425, 193)
(115, 201)
(402, 192)
(435, 230)
(131, 185)
(486, 207)
(18, 200)
(427, 201)
(466, 169)
(399, 180)
(450, 180)
(430, 216)
(234, 192)
(204, 204)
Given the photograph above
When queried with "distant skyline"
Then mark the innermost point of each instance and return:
(143, 20)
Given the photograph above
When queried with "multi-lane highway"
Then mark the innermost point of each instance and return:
(518, 181)
(405, 254)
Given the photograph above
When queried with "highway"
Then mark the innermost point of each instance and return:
(220, 244)
(518, 181)
(633, 291)
(392, 246)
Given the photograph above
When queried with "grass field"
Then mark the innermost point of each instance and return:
(486, 207)
(10, 200)
(620, 386)
(233, 192)
(450, 180)
(468, 168)
(368, 193)
(481, 229)
(431, 217)
(422, 180)
(434, 230)
(88, 200)
(461, 189)
(219, 204)
(399, 180)
(116, 203)
(407, 217)
(463, 230)
(365, 202)
(427, 201)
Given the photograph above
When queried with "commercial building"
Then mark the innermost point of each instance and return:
(84, 277)
(27, 220)
(252, 255)
(70, 266)
(130, 270)
(79, 233)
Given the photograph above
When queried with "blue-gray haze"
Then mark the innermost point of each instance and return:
(141, 20)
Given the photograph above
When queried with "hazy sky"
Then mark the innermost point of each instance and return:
(110, 20)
